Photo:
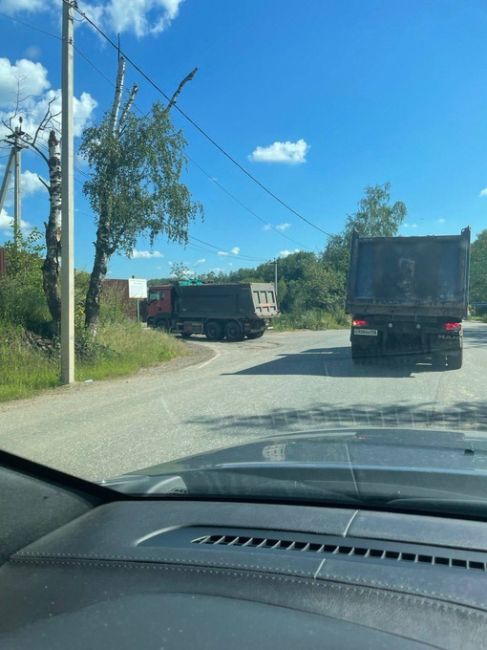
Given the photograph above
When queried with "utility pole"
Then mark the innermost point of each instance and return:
(67, 194)
(14, 164)
(275, 277)
(6, 178)
(17, 189)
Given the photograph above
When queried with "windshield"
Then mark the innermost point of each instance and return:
(243, 250)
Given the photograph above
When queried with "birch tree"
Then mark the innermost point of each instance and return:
(135, 184)
(51, 266)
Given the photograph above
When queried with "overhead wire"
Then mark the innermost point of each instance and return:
(193, 161)
(196, 164)
(189, 119)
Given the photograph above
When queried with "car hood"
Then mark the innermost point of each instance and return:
(407, 451)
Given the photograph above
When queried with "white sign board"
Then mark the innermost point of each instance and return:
(137, 288)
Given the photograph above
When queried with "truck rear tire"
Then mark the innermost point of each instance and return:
(454, 360)
(214, 331)
(162, 324)
(255, 335)
(234, 331)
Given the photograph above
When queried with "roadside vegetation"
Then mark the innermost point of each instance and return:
(29, 352)
(312, 286)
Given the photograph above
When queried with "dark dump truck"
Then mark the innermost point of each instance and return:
(231, 311)
(409, 295)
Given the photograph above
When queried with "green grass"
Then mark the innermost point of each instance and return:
(127, 348)
(124, 349)
(23, 370)
(313, 319)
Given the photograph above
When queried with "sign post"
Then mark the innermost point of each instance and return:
(138, 290)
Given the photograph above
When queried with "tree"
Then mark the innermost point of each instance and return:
(375, 217)
(135, 187)
(51, 266)
(478, 269)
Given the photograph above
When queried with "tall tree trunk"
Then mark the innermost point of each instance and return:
(98, 274)
(50, 269)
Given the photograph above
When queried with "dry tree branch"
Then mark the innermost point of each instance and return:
(173, 99)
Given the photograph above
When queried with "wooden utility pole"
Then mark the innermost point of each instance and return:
(67, 207)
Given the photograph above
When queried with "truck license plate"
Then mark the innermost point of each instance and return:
(365, 332)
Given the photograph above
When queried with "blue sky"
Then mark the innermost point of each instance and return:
(363, 92)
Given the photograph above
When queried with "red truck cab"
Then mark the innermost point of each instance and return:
(159, 304)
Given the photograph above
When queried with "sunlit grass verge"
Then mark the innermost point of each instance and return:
(312, 319)
(121, 349)
(125, 348)
(23, 370)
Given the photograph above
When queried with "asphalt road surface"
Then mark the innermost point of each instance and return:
(283, 382)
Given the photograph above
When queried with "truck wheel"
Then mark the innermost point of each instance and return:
(214, 331)
(162, 324)
(255, 335)
(186, 335)
(454, 360)
(234, 331)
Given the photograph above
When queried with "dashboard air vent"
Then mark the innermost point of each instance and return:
(374, 552)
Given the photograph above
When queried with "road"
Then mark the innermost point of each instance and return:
(283, 382)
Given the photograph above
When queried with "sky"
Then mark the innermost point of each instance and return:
(316, 99)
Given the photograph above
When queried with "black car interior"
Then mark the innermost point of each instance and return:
(85, 567)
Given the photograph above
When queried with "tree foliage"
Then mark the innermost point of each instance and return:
(478, 269)
(135, 186)
(308, 281)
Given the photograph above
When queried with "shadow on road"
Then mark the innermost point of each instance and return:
(458, 416)
(337, 362)
(475, 336)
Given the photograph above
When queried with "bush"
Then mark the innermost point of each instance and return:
(22, 300)
(312, 319)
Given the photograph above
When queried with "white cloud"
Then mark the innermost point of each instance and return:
(30, 183)
(411, 225)
(200, 261)
(31, 81)
(6, 223)
(140, 17)
(441, 220)
(285, 253)
(267, 227)
(233, 251)
(24, 77)
(146, 255)
(483, 192)
(11, 7)
(282, 152)
(283, 226)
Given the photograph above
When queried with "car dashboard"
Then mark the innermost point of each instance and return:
(180, 573)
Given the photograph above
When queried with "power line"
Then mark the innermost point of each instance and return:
(209, 176)
(30, 26)
(192, 160)
(220, 249)
(242, 205)
(196, 125)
